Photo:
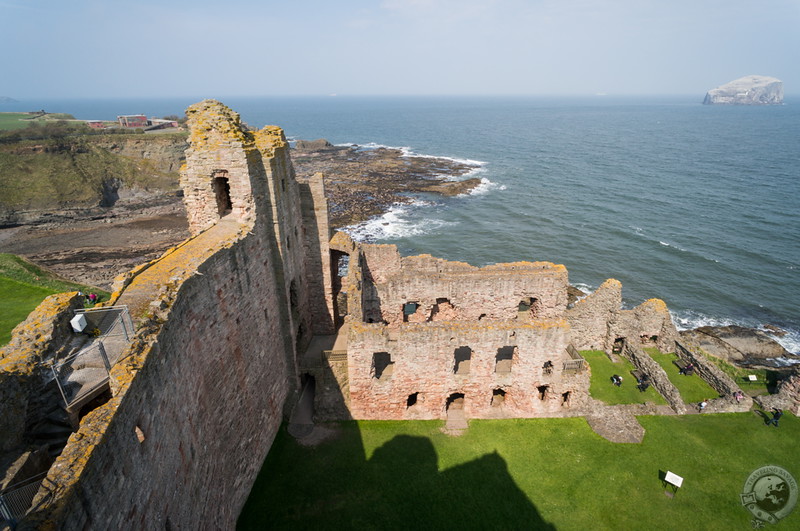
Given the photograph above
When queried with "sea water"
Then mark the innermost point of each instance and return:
(697, 205)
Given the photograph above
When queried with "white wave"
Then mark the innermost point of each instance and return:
(408, 152)
(586, 288)
(485, 187)
(396, 223)
(689, 319)
(786, 362)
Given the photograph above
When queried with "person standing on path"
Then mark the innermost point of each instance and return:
(776, 416)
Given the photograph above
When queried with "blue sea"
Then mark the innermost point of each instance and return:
(697, 205)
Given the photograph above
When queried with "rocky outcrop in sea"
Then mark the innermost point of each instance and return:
(748, 90)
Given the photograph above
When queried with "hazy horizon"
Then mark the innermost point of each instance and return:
(518, 48)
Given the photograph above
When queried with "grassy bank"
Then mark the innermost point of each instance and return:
(520, 474)
(24, 285)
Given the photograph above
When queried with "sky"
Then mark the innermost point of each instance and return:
(179, 48)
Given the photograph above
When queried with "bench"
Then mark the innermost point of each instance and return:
(642, 379)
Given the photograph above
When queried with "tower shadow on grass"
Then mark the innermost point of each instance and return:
(399, 487)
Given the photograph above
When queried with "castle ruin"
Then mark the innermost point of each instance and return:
(263, 303)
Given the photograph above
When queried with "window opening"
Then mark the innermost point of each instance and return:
(565, 398)
(498, 397)
(382, 365)
(442, 310)
(528, 308)
(543, 389)
(463, 357)
(222, 192)
(504, 359)
(619, 344)
(409, 308)
(412, 400)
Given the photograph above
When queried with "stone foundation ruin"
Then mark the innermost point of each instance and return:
(263, 306)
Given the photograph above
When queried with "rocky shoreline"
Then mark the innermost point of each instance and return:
(93, 245)
(365, 182)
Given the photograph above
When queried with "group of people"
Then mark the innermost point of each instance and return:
(738, 395)
(616, 380)
(687, 369)
(92, 297)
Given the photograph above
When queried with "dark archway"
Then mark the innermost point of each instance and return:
(222, 192)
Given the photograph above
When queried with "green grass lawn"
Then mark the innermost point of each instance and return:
(17, 302)
(693, 388)
(766, 379)
(23, 286)
(602, 389)
(520, 474)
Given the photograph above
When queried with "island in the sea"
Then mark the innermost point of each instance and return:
(748, 90)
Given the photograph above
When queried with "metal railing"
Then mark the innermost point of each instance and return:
(82, 373)
(108, 321)
(16, 500)
(576, 363)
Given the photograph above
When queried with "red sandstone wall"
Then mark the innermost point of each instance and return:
(206, 400)
(423, 357)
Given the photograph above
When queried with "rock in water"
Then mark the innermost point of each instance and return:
(748, 90)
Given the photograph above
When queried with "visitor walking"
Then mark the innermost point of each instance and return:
(702, 405)
(776, 416)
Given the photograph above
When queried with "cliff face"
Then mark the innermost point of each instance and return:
(748, 90)
(42, 179)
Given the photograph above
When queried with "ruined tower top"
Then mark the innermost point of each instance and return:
(225, 175)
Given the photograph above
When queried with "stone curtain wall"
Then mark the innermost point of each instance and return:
(589, 317)
(213, 367)
(319, 282)
(423, 362)
(195, 409)
(598, 320)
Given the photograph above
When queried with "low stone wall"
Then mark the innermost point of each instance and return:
(717, 379)
(658, 377)
(787, 396)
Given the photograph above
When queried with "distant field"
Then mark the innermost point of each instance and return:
(24, 286)
(520, 474)
(20, 120)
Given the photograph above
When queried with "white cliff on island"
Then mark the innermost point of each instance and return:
(748, 90)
